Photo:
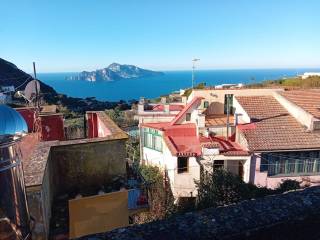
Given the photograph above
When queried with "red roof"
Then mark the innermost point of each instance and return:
(172, 107)
(186, 108)
(226, 147)
(182, 139)
(184, 146)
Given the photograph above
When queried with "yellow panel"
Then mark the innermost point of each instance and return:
(100, 213)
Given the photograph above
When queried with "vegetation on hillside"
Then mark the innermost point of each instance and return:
(121, 117)
(188, 91)
(295, 82)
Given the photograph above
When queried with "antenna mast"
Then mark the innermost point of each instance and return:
(193, 68)
(37, 123)
(37, 90)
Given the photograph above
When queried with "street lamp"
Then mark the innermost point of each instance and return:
(193, 67)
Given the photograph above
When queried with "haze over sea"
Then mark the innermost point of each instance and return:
(153, 87)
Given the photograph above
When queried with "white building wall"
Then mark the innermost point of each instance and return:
(184, 183)
(297, 112)
(243, 117)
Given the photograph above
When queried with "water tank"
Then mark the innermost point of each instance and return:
(13, 203)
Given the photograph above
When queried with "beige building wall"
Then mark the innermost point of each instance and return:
(216, 97)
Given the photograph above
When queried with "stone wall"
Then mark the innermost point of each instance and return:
(88, 164)
(293, 215)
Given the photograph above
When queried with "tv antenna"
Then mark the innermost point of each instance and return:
(31, 94)
(193, 68)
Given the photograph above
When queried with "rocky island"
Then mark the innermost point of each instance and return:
(115, 71)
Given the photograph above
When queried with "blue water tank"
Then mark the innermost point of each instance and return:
(11, 122)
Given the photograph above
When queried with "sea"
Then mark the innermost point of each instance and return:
(153, 87)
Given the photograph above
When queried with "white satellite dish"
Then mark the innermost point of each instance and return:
(32, 90)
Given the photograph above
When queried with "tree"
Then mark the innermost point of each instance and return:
(220, 188)
(160, 197)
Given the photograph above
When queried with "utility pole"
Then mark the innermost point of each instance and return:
(228, 113)
(37, 90)
(193, 68)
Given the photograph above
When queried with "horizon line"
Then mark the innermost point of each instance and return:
(201, 69)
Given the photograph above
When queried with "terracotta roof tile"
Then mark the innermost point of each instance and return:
(309, 100)
(275, 129)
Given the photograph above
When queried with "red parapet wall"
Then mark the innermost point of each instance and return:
(92, 125)
(95, 126)
(28, 115)
(52, 127)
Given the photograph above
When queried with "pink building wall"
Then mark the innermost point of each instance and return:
(262, 179)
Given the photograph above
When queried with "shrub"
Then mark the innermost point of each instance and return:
(221, 188)
(289, 185)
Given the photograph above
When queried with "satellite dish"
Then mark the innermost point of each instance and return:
(32, 90)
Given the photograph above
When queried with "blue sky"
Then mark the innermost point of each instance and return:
(73, 35)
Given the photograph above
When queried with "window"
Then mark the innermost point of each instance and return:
(205, 104)
(188, 117)
(217, 164)
(182, 164)
(152, 139)
(292, 163)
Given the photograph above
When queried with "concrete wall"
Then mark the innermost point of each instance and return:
(88, 164)
(40, 200)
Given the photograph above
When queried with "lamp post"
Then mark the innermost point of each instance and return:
(193, 67)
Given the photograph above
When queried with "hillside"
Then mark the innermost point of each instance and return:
(11, 75)
(115, 71)
(295, 82)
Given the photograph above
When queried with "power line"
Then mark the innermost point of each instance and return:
(12, 78)
(18, 86)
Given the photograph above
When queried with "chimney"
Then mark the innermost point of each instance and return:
(166, 108)
(184, 99)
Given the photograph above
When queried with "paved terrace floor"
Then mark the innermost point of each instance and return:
(218, 120)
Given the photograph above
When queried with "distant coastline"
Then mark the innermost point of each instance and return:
(128, 89)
